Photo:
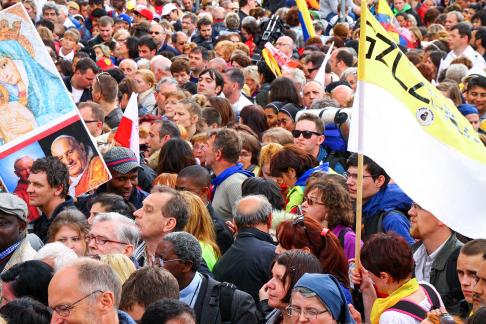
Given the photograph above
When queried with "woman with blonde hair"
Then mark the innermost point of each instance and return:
(224, 49)
(145, 80)
(171, 100)
(120, 263)
(201, 226)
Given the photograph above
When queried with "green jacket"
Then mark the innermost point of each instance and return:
(443, 275)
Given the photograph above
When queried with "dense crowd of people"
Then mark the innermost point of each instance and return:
(241, 205)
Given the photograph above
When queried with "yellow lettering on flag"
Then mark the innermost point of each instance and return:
(388, 68)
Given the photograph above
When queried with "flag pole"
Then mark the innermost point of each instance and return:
(361, 77)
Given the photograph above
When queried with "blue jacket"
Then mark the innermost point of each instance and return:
(390, 200)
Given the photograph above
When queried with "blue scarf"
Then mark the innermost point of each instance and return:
(238, 168)
(303, 178)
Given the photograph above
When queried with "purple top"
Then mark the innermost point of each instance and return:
(349, 241)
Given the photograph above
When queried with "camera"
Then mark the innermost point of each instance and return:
(330, 115)
(272, 29)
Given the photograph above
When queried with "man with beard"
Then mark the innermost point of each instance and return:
(86, 170)
(435, 255)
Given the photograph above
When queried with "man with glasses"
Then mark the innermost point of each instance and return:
(197, 180)
(188, 22)
(179, 39)
(247, 262)
(112, 233)
(93, 117)
(159, 35)
(435, 255)
(286, 45)
(468, 264)
(86, 292)
(309, 136)
(384, 204)
(105, 93)
(181, 254)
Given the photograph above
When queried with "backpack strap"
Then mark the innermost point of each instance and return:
(434, 300)
(414, 310)
(226, 294)
(409, 308)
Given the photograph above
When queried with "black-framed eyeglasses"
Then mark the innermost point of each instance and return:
(307, 134)
(155, 33)
(308, 313)
(159, 261)
(65, 310)
(100, 240)
(91, 121)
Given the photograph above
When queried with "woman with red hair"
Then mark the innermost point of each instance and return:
(307, 234)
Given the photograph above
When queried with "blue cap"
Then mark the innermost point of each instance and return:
(329, 291)
(126, 18)
(467, 109)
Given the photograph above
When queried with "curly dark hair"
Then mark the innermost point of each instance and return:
(336, 199)
(57, 172)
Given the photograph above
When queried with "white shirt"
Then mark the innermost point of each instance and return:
(424, 261)
(241, 103)
(68, 57)
(476, 58)
(77, 94)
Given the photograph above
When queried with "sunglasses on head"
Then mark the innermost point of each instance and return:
(307, 134)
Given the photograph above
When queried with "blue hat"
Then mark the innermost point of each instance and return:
(467, 109)
(329, 291)
(126, 18)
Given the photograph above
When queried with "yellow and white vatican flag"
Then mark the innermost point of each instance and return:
(418, 136)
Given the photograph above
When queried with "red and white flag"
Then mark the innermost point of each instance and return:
(127, 134)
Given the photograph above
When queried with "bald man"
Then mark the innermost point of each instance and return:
(128, 67)
(160, 66)
(286, 45)
(343, 95)
(22, 168)
(219, 64)
(253, 250)
(86, 170)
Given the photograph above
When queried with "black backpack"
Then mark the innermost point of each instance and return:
(224, 292)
